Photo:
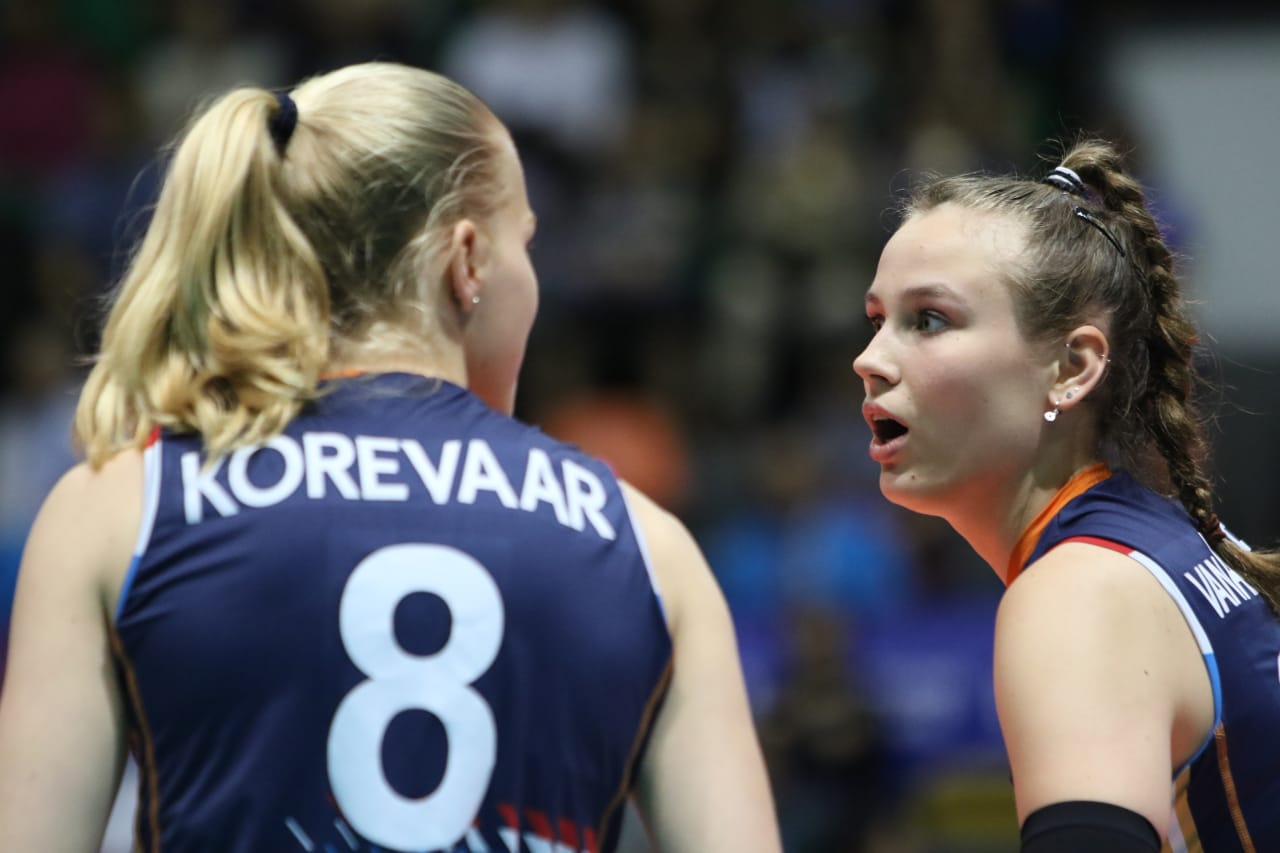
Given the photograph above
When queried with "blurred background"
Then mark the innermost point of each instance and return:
(714, 180)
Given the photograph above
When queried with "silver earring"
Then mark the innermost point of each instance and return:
(1052, 415)
(475, 300)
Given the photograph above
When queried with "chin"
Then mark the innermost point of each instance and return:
(911, 493)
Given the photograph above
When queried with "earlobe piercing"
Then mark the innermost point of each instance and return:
(1052, 414)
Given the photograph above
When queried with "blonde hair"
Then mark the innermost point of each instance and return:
(262, 261)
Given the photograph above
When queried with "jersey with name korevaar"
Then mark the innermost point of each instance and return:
(407, 623)
(1227, 798)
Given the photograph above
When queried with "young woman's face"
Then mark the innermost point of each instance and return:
(955, 395)
(499, 326)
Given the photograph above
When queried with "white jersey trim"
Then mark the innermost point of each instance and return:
(643, 546)
(152, 470)
(1202, 640)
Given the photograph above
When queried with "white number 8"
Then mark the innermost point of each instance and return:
(399, 681)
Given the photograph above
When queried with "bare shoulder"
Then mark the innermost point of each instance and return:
(1079, 586)
(62, 721)
(89, 521)
(1095, 674)
(683, 577)
(663, 532)
(702, 782)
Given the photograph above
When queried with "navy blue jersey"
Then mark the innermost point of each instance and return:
(408, 623)
(1227, 798)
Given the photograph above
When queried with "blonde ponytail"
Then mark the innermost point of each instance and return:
(261, 257)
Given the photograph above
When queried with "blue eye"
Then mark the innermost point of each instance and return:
(929, 322)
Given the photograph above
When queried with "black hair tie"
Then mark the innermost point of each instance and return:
(283, 121)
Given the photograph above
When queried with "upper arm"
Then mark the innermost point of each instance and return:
(703, 784)
(61, 719)
(1091, 668)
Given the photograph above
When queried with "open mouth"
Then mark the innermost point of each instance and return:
(887, 429)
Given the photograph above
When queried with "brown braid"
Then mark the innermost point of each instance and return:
(1166, 411)
(1146, 414)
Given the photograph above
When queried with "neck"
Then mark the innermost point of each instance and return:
(993, 518)
(992, 526)
(451, 367)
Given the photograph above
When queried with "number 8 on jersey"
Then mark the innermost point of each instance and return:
(398, 681)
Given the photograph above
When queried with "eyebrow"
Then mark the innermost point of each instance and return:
(919, 291)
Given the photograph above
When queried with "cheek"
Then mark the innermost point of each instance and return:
(531, 283)
(990, 407)
(951, 393)
(522, 300)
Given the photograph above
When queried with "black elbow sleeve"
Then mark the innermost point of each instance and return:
(1088, 826)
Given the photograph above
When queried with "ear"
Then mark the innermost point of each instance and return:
(1081, 366)
(462, 271)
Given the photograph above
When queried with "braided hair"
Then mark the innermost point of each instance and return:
(1094, 249)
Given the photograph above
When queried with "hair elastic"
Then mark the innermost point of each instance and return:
(1066, 179)
(283, 121)
(1069, 182)
(1215, 533)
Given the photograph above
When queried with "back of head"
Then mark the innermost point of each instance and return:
(1095, 254)
(277, 241)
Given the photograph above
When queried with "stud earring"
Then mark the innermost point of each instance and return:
(475, 300)
(1052, 414)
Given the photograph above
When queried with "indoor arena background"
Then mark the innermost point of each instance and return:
(713, 180)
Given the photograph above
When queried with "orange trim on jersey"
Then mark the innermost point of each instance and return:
(349, 373)
(646, 722)
(1080, 483)
(145, 751)
(1182, 812)
(1229, 788)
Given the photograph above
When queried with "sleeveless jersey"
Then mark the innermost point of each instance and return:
(408, 623)
(1227, 798)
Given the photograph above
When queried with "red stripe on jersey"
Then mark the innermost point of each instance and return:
(509, 815)
(1101, 543)
(539, 823)
(589, 840)
(568, 833)
(154, 437)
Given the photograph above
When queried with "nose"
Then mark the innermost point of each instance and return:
(874, 365)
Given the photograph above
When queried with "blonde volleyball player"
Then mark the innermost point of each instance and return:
(313, 574)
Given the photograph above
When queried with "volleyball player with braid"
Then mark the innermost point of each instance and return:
(1029, 380)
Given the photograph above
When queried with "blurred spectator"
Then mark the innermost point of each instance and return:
(713, 183)
(638, 438)
(823, 743)
(203, 51)
(46, 92)
(94, 208)
(555, 69)
(333, 33)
